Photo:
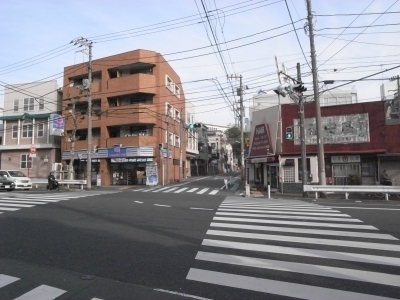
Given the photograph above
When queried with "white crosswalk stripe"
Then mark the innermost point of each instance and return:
(16, 201)
(42, 292)
(178, 190)
(255, 236)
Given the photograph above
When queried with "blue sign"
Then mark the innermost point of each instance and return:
(117, 151)
(57, 124)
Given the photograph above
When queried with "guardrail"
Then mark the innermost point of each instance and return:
(81, 183)
(346, 189)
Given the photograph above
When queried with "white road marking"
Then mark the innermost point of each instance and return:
(263, 208)
(306, 240)
(148, 190)
(9, 209)
(288, 217)
(356, 257)
(161, 189)
(138, 190)
(377, 208)
(192, 190)
(43, 292)
(213, 192)
(296, 206)
(295, 290)
(201, 208)
(307, 231)
(162, 205)
(18, 201)
(6, 280)
(286, 212)
(313, 224)
(17, 205)
(170, 190)
(181, 190)
(202, 191)
(138, 202)
(24, 199)
(317, 270)
(182, 294)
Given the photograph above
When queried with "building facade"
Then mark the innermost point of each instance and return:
(138, 106)
(359, 141)
(27, 122)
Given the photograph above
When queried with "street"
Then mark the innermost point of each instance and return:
(177, 243)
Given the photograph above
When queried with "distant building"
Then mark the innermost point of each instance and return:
(27, 125)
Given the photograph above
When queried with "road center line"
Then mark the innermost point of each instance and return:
(201, 208)
(162, 205)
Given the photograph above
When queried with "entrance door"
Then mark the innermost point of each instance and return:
(341, 172)
(273, 174)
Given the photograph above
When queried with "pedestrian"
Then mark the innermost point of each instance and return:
(385, 180)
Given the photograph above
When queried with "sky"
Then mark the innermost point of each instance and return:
(207, 41)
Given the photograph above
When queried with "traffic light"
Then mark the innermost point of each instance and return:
(194, 125)
(289, 133)
(95, 149)
(281, 90)
(298, 88)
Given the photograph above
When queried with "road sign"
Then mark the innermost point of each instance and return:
(33, 149)
(32, 155)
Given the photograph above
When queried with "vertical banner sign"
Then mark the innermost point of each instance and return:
(57, 124)
(151, 173)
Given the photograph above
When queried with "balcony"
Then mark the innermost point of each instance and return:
(144, 83)
(82, 144)
(129, 140)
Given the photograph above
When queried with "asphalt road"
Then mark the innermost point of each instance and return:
(175, 244)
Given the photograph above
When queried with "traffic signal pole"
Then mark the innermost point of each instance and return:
(302, 137)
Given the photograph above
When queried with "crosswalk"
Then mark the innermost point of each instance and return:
(179, 189)
(42, 292)
(10, 202)
(291, 248)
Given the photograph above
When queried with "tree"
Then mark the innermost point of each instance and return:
(233, 135)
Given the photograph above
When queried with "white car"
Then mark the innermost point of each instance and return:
(21, 181)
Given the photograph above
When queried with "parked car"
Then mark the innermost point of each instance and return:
(20, 180)
(6, 184)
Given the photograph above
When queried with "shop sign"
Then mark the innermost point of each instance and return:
(151, 174)
(261, 144)
(345, 159)
(116, 151)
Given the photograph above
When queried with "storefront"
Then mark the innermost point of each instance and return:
(113, 166)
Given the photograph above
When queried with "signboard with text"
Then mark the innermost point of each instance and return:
(261, 144)
(57, 124)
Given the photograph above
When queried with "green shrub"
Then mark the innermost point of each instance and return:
(354, 179)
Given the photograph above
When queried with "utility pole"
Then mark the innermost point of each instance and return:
(85, 42)
(167, 162)
(302, 137)
(241, 116)
(180, 147)
(320, 141)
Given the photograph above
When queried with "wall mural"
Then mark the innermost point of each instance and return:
(335, 130)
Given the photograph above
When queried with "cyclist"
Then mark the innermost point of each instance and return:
(385, 180)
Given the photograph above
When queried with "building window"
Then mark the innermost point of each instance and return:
(40, 130)
(41, 103)
(29, 104)
(169, 83)
(169, 110)
(16, 104)
(177, 115)
(177, 141)
(170, 139)
(27, 130)
(15, 131)
(25, 162)
(288, 174)
(177, 91)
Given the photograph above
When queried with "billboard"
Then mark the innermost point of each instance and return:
(57, 124)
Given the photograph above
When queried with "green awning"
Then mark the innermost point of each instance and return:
(25, 116)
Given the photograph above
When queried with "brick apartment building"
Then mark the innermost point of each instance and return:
(136, 99)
